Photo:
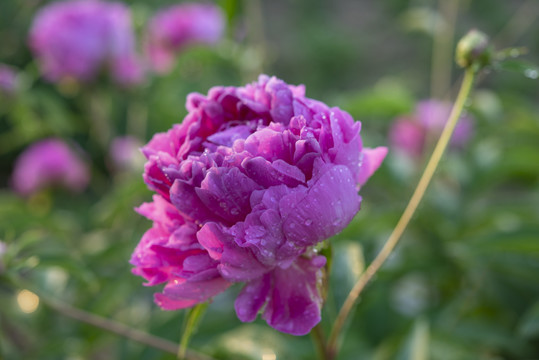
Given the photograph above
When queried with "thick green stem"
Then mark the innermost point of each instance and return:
(351, 300)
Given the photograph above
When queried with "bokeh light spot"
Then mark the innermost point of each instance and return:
(27, 301)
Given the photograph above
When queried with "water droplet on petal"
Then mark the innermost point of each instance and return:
(308, 222)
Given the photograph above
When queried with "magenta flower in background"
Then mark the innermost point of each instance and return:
(409, 133)
(77, 39)
(251, 180)
(8, 79)
(124, 153)
(49, 162)
(173, 29)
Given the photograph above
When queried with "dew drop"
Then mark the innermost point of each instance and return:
(308, 222)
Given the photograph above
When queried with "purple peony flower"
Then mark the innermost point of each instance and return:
(49, 162)
(76, 39)
(8, 80)
(251, 180)
(176, 27)
(409, 134)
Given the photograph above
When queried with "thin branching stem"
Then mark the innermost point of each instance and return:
(109, 325)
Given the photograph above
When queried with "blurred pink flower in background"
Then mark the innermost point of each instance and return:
(3, 249)
(49, 162)
(125, 154)
(409, 133)
(8, 79)
(77, 39)
(246, 186)
(174, 28)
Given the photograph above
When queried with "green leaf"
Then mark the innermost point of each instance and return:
(416, 346)
(419, 345)
(529, 325)
(520, 67)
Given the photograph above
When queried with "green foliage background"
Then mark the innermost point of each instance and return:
(462, 284)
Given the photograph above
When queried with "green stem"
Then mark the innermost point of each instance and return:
(193, 318)
(317, 335)
(518, 24)
(351, 300)
(441, 50)
(256, 40)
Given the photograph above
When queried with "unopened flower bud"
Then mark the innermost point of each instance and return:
(473, 49)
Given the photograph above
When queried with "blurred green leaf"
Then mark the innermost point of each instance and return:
(529, 324)
(417, 345)
(520, 67)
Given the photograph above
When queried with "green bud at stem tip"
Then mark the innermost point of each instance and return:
(473, 50)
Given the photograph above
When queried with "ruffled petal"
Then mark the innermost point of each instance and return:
(181, 293)
(252, 297)
(236, 263)
(226, 193)
(295, 306)
(324, 210)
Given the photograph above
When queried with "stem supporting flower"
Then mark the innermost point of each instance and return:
(353, 296)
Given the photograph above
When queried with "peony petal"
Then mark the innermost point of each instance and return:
(295, 306)
(324, 210)
(181, 293)
(184, 197)
(269, 144)
(372, 159)
(252, 297)
(281, 101)
(161, 211)
(269, 174)
(226, 193)
(236, 263)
